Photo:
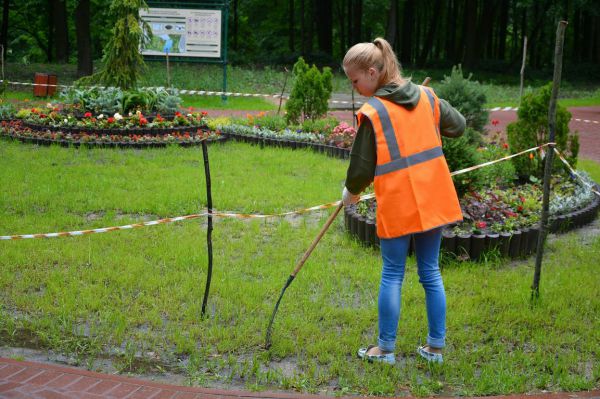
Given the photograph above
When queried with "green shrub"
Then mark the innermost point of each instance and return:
(465, 95)
(324, 125)
(310, 93)
(461, 153)
(501, 174)
(7, 111)
(122, 62)
(109, 100)
(531, 130)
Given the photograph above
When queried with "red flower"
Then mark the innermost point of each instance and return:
(177, 113)
(495, 122)
(505, 145)
(519, 208)
(481, 225)
(204, 113)
(87, 115)
(110, 119)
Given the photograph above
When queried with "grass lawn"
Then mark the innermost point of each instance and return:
(134, 297)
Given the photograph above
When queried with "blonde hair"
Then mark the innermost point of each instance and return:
(379, 55)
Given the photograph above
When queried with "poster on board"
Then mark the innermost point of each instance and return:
(184, 33)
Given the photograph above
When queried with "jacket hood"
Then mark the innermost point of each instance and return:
(407, 95)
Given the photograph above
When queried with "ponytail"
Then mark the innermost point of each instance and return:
(379, 55)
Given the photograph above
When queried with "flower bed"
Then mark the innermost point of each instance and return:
(136, 123)
(287, 138)
(192, 136)
(505, 221)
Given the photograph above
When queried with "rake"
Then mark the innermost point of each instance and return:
(297, 269)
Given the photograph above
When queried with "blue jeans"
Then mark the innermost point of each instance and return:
(394, 252)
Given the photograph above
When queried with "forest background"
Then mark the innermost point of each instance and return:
(482, 35)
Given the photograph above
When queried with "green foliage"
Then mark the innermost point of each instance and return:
(310, 93)
(532, 129)
(7, 110)
(122, 61)
(501, 174)
(465, 95)
(112, 99)
(461, 153)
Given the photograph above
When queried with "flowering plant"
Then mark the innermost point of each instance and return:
(101, 121)
(342, 136)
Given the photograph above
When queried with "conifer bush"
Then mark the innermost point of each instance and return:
(310, 93)
(531, 130)
(465, 95)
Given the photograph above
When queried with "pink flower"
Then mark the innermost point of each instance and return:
(87, 115)
(481, 225)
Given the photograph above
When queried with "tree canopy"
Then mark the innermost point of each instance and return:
(484, 34)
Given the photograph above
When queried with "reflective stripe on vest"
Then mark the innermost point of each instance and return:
(432, 103)
(397, 160)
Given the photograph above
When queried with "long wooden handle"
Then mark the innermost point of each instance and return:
(317, 238)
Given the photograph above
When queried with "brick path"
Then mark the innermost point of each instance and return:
(30, 380)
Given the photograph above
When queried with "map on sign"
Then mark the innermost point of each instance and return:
(179, 32)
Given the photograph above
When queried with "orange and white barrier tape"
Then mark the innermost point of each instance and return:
(574, 172)
(238, 215)
(103, 229)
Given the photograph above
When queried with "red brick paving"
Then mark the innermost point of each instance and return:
(30, 380)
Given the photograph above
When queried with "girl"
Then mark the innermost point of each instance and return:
(398, 147)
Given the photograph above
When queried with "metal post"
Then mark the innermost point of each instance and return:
(209, 227)
(558, 53)
(225, 23)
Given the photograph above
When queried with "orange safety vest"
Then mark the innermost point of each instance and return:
(413, 186)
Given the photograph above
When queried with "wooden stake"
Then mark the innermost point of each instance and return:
(209, 228)
(558, 54)
(523, 68)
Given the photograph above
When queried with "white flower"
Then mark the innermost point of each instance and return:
(118, 116)
(66, 120)
(49, 105)
(100, 116)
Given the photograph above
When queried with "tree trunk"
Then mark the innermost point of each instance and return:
(291, 27)
(341, 27)
(485, 29)
(303, 46)
(84, 41)
(470, 39)
(430, 33)
(597, 40)
(502, 30)
(235, 24)
(49, 52)
(4, 29)
(324, 10)
(408, 22)
(357, 23)
(61, 32)
(576, 51)
(392, 23)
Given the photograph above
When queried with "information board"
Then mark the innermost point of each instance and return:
(183, 33)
